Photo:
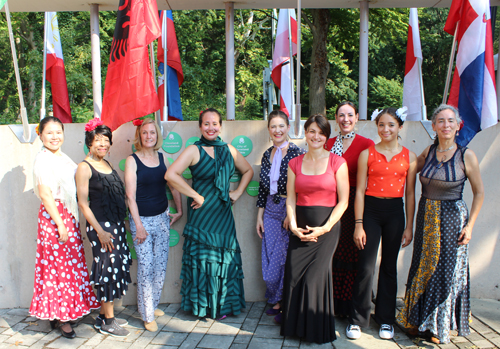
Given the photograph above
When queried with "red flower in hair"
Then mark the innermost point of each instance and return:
(92, 124)
(201, 112)
(36, 129)
(137, 122)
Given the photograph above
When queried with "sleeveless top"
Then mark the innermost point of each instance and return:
(107, 195)
(316, 190)
(150, 194)
(443, 180)
(387, 179)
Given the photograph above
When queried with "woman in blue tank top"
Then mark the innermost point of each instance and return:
(149, 217)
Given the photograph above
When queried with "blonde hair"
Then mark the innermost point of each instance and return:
(159, 137)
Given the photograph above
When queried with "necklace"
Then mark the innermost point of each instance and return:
(443, 150)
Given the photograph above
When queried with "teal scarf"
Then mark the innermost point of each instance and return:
(224, 166)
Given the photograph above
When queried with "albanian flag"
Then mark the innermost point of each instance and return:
(129, 92)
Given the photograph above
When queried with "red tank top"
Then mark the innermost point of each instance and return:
(387, 179)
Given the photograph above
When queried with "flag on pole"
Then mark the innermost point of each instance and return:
(174, 68)
(129, 92)
(412, 91)
(56, 73)
(281, 73)
(473, 86)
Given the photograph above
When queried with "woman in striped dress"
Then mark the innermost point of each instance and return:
(212, 273)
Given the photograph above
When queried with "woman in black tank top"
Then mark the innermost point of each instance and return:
(149, 217)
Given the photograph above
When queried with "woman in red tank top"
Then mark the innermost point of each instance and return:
(386, 171)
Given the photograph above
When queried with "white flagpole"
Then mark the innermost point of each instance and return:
(450, 65)
(421, 81)
(298, 106)
(44, 72)
(165, 74)
(292, 90)
(24, 114)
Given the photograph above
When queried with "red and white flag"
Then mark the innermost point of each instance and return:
(412, 91)
(56, 73)
(281, 73)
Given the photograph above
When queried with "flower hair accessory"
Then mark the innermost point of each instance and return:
(374, 114)
(201, 112)
(92, 124)
(37, 129)
(401, 113)
(137, 122)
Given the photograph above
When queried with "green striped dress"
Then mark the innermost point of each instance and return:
(212, 272)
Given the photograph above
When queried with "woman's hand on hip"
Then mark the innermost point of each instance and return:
(106, 240)
(197, 202)
(174, 217)
(359, 236)
(234, 195)
(141, 234)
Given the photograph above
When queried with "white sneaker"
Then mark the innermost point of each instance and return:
(353, 331)
(386, 331)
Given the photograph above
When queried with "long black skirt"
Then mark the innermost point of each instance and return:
(308, 310)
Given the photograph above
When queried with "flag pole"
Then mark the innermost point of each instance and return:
(450, 64)
(291, 63)
(165, 65)
(421, 81)
(24, 114)
(153, 69)
(297, 100)
(44, 71)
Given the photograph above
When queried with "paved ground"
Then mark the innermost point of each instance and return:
(251, 329)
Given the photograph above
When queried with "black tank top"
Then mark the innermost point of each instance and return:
(150, 194)
(107, 196)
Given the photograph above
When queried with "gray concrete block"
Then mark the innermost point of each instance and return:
(169, 338)
(268, 331)
(85, 331)
(237, 319)
(250, 324)
(205, 322)
(109, 343)
(200, 330)
(238, 346)
(95, 340)
(216, 342)
(3, 338)
(304, 344)
(192, 341)
(24, 312)
(291, 342)
(172, 308)
(141, 342)
(66, 343)
(38, 326)
(176, 325)
(260, 343)
(186, 315)
(219, 328)
(7, 320)
(152, 346)
(243, 337)
(487, 311)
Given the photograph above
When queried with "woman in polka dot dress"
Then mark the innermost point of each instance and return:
(272, 222)
(437, 295)
(385, 170)
(105, 213)
(62, 289)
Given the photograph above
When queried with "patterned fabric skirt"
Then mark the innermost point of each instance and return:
(345, 260)
(438, 291)
(110, 270)
(274, 247)
(62, 289)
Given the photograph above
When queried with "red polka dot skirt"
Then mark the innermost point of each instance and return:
(62, 288)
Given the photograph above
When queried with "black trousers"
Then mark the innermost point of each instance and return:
(382, 219)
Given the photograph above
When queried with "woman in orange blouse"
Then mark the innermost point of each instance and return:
(384, 170)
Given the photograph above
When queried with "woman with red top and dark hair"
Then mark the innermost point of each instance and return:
(317, 196)
(384, 171)
(349, 145)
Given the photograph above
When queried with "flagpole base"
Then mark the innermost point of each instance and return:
(297, 135)
(427, 125)
(166, 127)
(18, 130)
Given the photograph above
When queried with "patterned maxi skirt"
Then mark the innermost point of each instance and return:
(62, 288)
(274, 247)
(438, 292)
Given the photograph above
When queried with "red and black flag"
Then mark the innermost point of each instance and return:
(129, 92)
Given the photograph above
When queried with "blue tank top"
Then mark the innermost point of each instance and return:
(151, 195)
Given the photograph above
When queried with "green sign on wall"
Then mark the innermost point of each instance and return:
(172, 143)
(243, 144)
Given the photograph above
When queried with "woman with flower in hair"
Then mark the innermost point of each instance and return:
(105, 213)
(386, 173)
(149, 217)
(438, 289)
(62, 291)
(349, 145)
(212, 273)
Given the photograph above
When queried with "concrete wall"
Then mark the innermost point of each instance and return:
(19, 208)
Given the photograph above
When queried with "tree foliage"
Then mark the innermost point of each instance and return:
(201, 38)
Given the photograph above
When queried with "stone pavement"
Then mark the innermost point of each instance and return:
(251, 329)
